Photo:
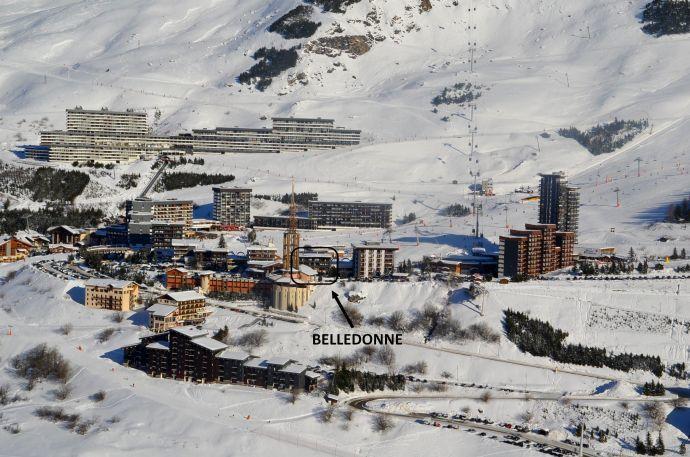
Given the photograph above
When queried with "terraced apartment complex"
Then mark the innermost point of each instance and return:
(123, 136)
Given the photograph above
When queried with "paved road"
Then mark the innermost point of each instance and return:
(362, 404)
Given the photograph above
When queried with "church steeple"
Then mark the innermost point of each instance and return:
(291, 237)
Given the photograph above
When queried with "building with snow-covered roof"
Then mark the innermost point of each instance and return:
(112, 294)
(190, 354)
(161, 317)
(191, 331)
(190, 309)
(13, 249)
(65, 234)
(259, 252)
(231, 365)
(38, 240)
(290, 374)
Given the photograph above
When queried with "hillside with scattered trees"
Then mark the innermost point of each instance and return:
(334, 6)
(457, 94)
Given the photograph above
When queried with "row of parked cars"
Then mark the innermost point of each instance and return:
(508, 439)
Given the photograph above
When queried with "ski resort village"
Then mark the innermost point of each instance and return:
(344, 228)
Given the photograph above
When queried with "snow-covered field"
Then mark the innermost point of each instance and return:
(542, 65)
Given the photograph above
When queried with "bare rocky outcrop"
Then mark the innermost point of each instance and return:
(353, 45)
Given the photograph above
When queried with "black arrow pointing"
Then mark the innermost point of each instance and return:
(337, 300)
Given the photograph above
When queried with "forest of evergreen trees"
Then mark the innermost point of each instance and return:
(301, 198)
(42, 184)
(679, 213)
(271, 63)
(185, 161)
(49, 184)
(666, 17)
(456, 210)
(604, 138)
(12, 220)
(295, 23)
(653, 389)
(183, 179)
(345, 379)
(539, 338)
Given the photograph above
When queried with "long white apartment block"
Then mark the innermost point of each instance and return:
(124, 136)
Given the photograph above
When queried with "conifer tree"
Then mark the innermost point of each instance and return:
(649, 445)
(660, 447)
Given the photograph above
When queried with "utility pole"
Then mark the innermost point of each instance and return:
(471, 44)
(567, 79)
(538, 145)
(582, 437)
(476, 229)
(474, 191)
(638, 160)
(589, 35)
(618, 200)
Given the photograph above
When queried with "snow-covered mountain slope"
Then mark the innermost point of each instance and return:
(181, 58)
(540, 65)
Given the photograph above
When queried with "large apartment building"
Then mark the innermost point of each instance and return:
(99, 135)
(231, 205)
(351, 214)
(190, 354)
(559, 202)
(537, 249)
(124, 136)
(371, 259)
(303, 223)
(111, 294)
(311, 133)
(145, 214)
(106, 121)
